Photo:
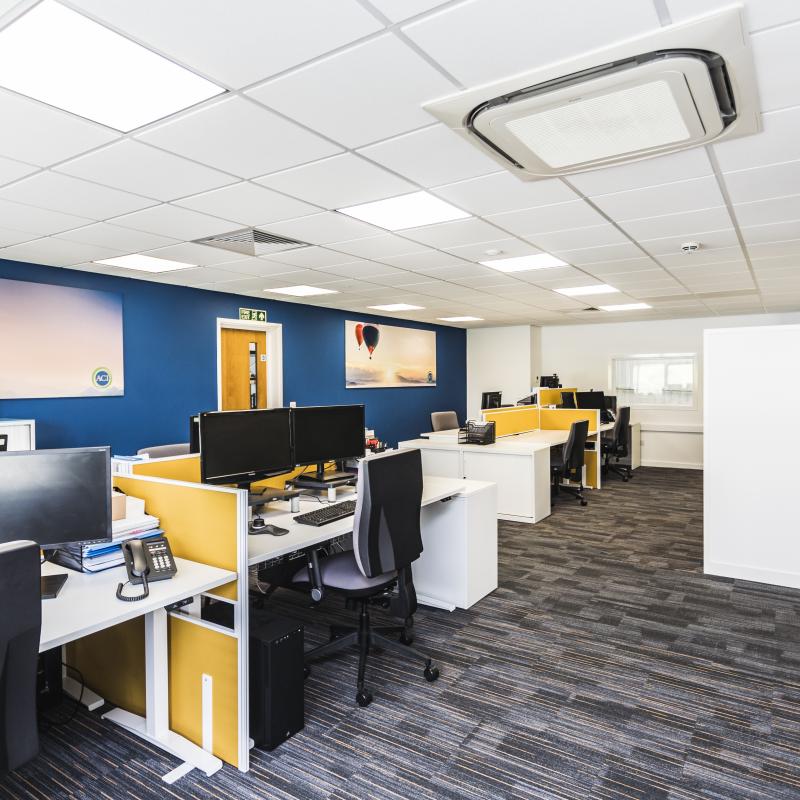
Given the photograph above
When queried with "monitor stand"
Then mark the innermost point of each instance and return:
(268, 494)
(322, 479)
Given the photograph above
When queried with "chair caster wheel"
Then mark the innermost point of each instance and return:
(363, 698)
(584, 502)
(306, 671)
(431, 673)
(407, 638)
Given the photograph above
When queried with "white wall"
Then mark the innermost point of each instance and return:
(500, 359)
(750, 520)
(581, 355)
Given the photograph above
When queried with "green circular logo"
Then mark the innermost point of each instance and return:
(101, 378)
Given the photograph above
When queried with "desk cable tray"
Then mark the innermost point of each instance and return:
(477, 433)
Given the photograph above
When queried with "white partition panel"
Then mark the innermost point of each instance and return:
(752, 445)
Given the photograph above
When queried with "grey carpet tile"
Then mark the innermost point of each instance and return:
(605, 667)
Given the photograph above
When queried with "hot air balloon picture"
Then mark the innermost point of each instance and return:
(383, 356)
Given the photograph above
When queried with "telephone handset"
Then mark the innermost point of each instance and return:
(145, 561)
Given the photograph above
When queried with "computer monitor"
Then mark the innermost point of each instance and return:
(194, 433)
(327, 433)
(56, 497)
(245, 446)
(491, 399)
(611, 403)
(567, 400)
(591, 400)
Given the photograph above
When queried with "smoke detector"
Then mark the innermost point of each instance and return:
(252, 242)
(681, 86)
(690, 247)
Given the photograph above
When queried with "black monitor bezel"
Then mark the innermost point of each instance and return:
(244, 478)
(301, 409)
(106, 494)
(593, 408)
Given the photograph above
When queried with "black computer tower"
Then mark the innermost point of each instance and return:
(277, 708)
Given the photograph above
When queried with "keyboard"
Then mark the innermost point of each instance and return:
(326, 514)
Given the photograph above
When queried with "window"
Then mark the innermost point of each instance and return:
(664, 379)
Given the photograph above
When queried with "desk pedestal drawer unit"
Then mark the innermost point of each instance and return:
(458, 565)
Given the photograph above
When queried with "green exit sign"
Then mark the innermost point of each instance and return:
(252, 315)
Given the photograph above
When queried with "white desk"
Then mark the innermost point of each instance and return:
(87, 604)
(520, 465)
(458, 565)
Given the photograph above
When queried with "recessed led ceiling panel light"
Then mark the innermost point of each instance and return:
(143, 263)
(55, 55)
(407, 211)
(398, 307)
(523, 263)
(578, 291)
(625, 307)
(302, 290)
(683, 85)
(460, 319)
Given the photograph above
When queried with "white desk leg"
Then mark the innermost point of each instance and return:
(154, 728)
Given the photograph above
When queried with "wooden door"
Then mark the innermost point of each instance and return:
(244, 369)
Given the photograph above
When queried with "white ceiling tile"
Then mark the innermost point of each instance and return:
(607, 253)
(776, 143)
(199, 254)
(627, 266)
(103, 234)
(379, 247)
(763, 183)
(709, 256)
(681, 224)
(455, 272)
(529, 222)
(177, 223)
(668, 198)
(399, 10)
(402, 279)
(338, 182)
(765, 212)
(17, 216)
(453, 234)
(324, 228)
(56, 252)
(195, 277)
(502, 191)
(784, 265)
(362, 270)
(693, 271)
(70, 195)
(499, 248)
(247, 204)
(681, 166)
(13, 170)
(777, 232)
(773, 51)
(431, 156)
(148, 171)
(250, 41)
(709, 240)
(258, 267)
(757, 13)
(362, 94)
(493, 38)
(579, 238)
(429, 259)
(310, 257)
(9, 237)
(43, 135)
(239, 137)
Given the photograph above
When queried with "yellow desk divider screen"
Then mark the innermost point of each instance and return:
(174, 468)
(207, 524)
(508, 421)
(560, 419)
(552, 397)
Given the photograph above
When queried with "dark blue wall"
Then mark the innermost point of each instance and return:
(170, 366)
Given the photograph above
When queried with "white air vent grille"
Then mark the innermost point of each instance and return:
(252, 242)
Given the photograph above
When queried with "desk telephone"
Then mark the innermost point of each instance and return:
(146, 560)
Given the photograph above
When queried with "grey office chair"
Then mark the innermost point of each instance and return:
(3, 442)
(568, 464)
(20, 627)
(165, 450)
(386, 540)
(444, 421)
(615, 445)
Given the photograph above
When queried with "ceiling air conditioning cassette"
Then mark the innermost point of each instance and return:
(682, 86)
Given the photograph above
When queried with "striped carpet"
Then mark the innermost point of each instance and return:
(606, 667)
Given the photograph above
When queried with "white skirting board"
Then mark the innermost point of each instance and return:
(757, 574)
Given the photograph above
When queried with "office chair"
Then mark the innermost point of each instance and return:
(386, 540)
(165, 450)
(615, 445)
(3, 442)
(444, 421)
(568, 464)
(20, 626)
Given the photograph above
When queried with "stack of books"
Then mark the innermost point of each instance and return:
(105, 555)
